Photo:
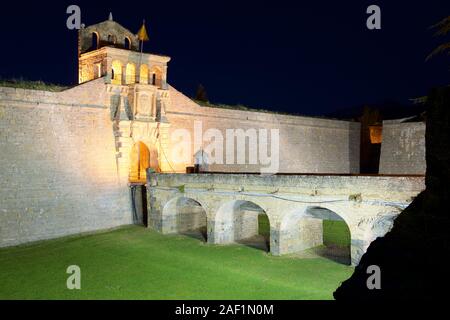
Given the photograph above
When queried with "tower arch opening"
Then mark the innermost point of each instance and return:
(143, 74)
(95, 40)
(243, 222)
(127, 43)
(316, 231)
(130, 73)
(156, 76)
(116, 72)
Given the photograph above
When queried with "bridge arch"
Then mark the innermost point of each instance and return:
(185, 215)
(242, 221)
(314, 226)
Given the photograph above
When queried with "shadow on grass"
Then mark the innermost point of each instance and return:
(338, 254)
(258, 242)
(198, 234)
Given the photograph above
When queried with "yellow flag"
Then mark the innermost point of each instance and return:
(142, 33)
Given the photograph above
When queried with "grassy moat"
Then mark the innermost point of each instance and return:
(137, 263)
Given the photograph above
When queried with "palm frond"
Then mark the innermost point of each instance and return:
(443, 25)
(442, 48)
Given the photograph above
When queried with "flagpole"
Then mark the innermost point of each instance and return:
(140, 55)
(142, 36)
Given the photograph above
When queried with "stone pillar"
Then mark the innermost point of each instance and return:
(210, 231)
(123, 149)
(164, 85)
(223, 232)
(163, 148)
(153, 204)
(164, 102)
(124, 75)
(105, 67)
(274, 242)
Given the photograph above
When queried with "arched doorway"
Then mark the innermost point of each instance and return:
(139, 163)
(318, 230)
(141, 158)
(243, 222)
(185, 216)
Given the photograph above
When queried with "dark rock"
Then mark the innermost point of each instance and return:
(413, 256)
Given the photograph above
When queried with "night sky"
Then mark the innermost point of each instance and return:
(311, 58)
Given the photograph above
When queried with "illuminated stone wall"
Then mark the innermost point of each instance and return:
(92, 66)
(65, 161)
(58, 171)
(403, 148)
(128, 66)
(307, 145)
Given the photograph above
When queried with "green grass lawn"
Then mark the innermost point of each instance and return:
(263, 225)
(336, 233)
(137, 263)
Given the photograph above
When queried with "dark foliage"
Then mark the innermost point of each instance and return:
(412, 256)
(201, 94)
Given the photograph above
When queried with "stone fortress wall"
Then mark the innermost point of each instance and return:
(58, 172)
(59, 169)
(403, 148)
(307, 145)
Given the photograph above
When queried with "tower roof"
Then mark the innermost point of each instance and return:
(107, 33)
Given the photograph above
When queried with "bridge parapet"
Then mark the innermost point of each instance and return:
(386, 188)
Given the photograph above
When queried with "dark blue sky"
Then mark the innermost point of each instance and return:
(311, 58)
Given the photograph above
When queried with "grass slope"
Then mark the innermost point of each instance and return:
(137, 263)
(32, 85)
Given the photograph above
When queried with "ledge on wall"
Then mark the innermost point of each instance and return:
(241, 107)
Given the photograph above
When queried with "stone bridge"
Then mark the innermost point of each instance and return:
(229, 204)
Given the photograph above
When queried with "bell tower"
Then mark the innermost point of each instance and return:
(136, 86)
